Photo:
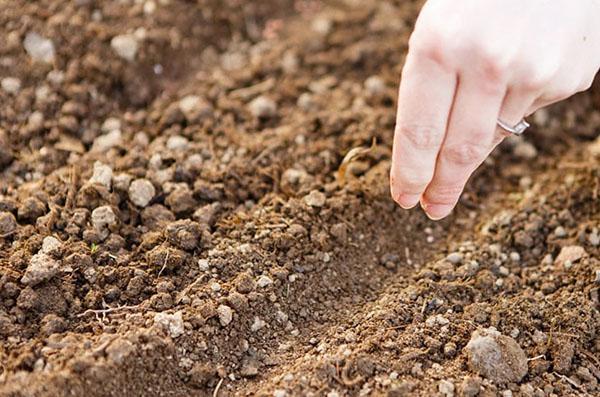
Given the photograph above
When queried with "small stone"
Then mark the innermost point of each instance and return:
(525, 150)
(279, 393)
(315, 199)
(539, 337)
(263, 107)
(8, 224)
(506, 393)
(11, 85)
(497, 357)
(102, 218)
(122, 182)
(125, 45)
(438, 320)
(322, 25)
(107, 141)
(446, 388)
(306, 102)
(257, 324)
(177, 142)
(455, 258)
(39, 48)
(264, 281)
(42, 267)
(195, 108)
(51, 245)
(141, 192)
(111, 124)
(450, 349)
(207, 215)
(560, 232)
(471, 386)
(102, 175)
(571, 254)
(249, 369)
(203, 265)
(225, 314)
(515, 257)
(375, 86)
(172, 323)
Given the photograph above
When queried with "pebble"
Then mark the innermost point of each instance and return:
(12, 85)
(525, 150)
(570, 254)
(111, 124)
(455, 258)
(375, 86)
(203, 265)
(315, 199)
(177, 142)
(263, 107)
(446, 388)
(51, 245)
(322, 25)
(194, 108)
(8, 223)
(141, 192)
(497, 357)
(279, 393)
(596, 279)
(225, 314)
(515, 256)
(103, 217)
(437, 319)
(172, 323)
(102, 175)
(258, 324)
(560, 232)
(122, 181)
(107, 141)
(470, 386)
(41, 267)
(264, 281)
(125, 45)
(39, 48)
(306, 102)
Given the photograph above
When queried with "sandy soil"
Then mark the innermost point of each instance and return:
(176, 217)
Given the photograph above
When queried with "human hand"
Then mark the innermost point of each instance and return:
(470, 63)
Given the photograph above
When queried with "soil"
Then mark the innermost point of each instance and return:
(247, 259)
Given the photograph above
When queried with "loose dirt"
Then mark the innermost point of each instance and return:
(174, 220)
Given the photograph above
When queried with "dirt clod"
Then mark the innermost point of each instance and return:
(497, 357)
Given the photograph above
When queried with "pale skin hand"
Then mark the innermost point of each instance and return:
(471, 62)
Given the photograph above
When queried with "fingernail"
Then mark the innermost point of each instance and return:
(408, 201)
(435, 212)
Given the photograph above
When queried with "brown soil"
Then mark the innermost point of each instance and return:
(255, 269)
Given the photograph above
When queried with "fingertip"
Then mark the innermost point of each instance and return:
(436, 212)
(407, 201)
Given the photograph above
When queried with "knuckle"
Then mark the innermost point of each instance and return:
(535, 78)
(466, 153)
(422, 137)
(429, 45)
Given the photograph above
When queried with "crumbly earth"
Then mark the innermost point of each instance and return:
(180, 221)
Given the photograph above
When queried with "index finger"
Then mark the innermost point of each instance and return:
(425, 100)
